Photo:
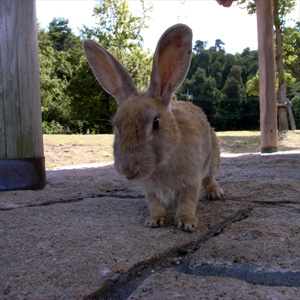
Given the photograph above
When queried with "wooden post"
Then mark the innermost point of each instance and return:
(289, 108)
(22, 162)
(267, 81)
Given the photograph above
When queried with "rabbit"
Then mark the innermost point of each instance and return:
(168, 146)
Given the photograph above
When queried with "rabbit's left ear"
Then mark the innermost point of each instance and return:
(171, 62)
(110, 73)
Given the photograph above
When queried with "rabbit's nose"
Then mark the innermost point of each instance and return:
(130, 174)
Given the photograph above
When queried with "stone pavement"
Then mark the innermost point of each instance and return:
(82, 237)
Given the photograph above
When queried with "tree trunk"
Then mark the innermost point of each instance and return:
(267, 77)
(282, 109)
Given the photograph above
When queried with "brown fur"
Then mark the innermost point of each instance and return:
(174, 160)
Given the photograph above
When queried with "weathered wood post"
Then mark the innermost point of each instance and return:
(22, 162)
(267, 79)
(291, 116)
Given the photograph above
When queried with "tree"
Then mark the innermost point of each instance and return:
(59, 53)
(119, 32)
(291, 50)
(233, 94)
(252, 85)
(216, 73)
(53, 96)
(219, 45)
(249, 61)
(70, 93)
(233, 88)
(203, 90)
(60, 34)
(199, 47)
(201, 58)
(281, 9)
(216, 82)
(116, 26)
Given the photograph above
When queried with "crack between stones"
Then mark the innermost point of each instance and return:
(292, 206)
(288, 279)
(73, 200)
(121, 286)
(276, 203)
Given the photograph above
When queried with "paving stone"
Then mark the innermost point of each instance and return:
(70, 250)
(171, 285)
(256, 166)
(267, 241)
(261, 178)
(71, 184)
(86, 226)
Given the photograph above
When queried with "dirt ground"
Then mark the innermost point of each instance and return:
(68, 150)
(267, 177)
(67, 240)
(243, 171)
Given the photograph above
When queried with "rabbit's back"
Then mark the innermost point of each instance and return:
(198, 145)
(195, 130)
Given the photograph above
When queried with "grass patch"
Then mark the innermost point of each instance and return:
(66, 150)
(289, 140)
(239, 141)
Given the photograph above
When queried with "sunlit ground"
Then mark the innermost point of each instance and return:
(68, 150)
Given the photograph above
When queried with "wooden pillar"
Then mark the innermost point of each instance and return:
(267, 76)
(291, 116)
(22, 162)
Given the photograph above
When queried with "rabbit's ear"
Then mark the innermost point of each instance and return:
(110, 73)
(171, 62)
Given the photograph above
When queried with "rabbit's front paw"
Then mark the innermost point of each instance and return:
(186, 223)
(155, 221)
(212, 189)
(215, 193)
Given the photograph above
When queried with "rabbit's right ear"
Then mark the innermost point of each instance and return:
(171, 62)
(110, 73)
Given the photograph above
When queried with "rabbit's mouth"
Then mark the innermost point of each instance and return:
(128, 177)
(137, 176)
(140, 174)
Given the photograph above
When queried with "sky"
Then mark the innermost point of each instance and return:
(208, 20)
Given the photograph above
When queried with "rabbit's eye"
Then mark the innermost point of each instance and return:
(156, 123)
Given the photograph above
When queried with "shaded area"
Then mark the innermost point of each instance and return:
(291, 279)
(83, 237)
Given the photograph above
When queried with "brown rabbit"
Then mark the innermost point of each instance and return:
(168, 146)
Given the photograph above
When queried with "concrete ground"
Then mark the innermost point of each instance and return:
(82, 237)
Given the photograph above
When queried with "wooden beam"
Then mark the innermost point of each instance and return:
(292, 120)
(267, 76)
(22, 162)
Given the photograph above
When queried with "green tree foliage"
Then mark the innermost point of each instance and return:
(119, 32)
(291, 50)
(217, 83)
(70, 93)
(61, 35)
(224, 85)
(57, 67)
(281, 8)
